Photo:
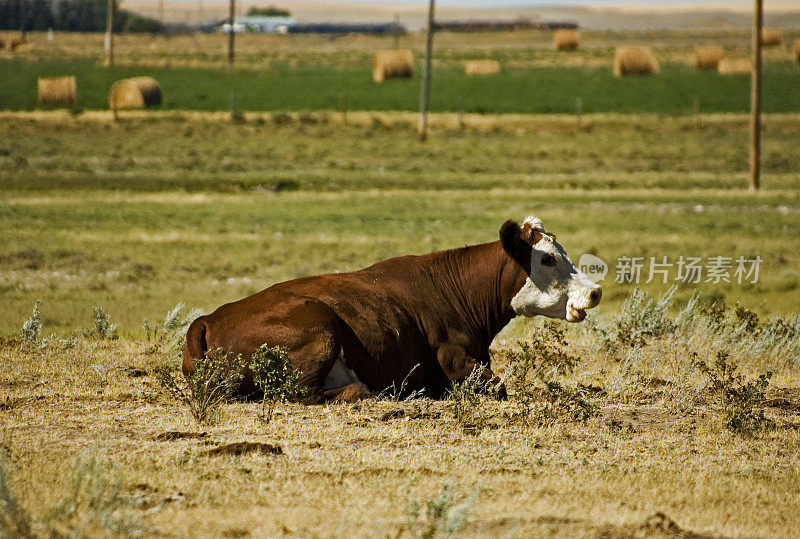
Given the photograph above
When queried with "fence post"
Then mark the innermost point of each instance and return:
(755, 100)
(343, 108)
(422, 134)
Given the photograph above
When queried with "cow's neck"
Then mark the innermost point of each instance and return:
(481, 280)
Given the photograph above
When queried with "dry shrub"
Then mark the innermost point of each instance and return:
(771, 37)
(635, 61)
(391, 64)
(734, 66)
(58, 90)
(797, 49)
(708, 56)
(481, 67)
(565, 40)
(135, 93)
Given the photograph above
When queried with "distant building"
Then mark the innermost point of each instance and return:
(256, 24)
(266, 25)
(287, 25)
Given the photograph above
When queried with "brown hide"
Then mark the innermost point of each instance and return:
(439, 311)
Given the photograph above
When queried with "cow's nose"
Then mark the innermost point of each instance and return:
(595, 295)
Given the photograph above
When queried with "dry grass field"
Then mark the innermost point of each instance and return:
(641, 443)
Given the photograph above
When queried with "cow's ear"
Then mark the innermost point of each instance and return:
(511, 238)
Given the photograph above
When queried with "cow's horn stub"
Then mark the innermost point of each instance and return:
(532, 230)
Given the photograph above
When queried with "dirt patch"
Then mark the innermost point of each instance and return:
(241, 448)
(656, 525)
(134, 372)
(179, 435)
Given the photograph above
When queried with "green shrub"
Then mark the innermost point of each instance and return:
(465, 401)
(169, 334)
(531, 377)
(742, 401)
(32, 327)
(215, 378)
(642, 316)
(103, 328)
(443, 516)
(276, 379)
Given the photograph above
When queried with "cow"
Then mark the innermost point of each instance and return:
(420, 323)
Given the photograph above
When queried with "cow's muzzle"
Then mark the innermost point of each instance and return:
(576, 307)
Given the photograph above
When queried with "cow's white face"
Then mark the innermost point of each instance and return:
(554, 287)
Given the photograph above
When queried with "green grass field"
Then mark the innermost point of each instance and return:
(142, 214)
(307, 86)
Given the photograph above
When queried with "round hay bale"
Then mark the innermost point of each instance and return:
(734, 66)
(635, 61)
(771, 37)
(134, 93)
(481, 67)
(565, 39)
(58, 90)
(392, 64)
(708, 56)
(797, 49)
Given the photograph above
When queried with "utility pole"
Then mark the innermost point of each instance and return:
(109, 33)
(231, 33)
(755, 99)
(396, 32)
(422, 134)
(23, 19)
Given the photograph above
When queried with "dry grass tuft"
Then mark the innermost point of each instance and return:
(481, 67)
(708, 56)
(635, 61)
(58, 90)
(771, 37)
(797, 49)
(135, 93)
(566, 40)
(734, 66)
(392, 64)
(12, 42)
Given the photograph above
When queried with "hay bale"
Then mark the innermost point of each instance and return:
(734, 66)
(635, 61)
(58, 90)
(481, 67)
(708, 56)
(392, 64)
(565, 39)
(771, 37)
(134, 93)
(797, 49)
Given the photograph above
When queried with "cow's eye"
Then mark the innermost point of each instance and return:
(548, 260)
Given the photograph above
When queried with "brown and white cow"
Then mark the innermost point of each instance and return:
(420, 322)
